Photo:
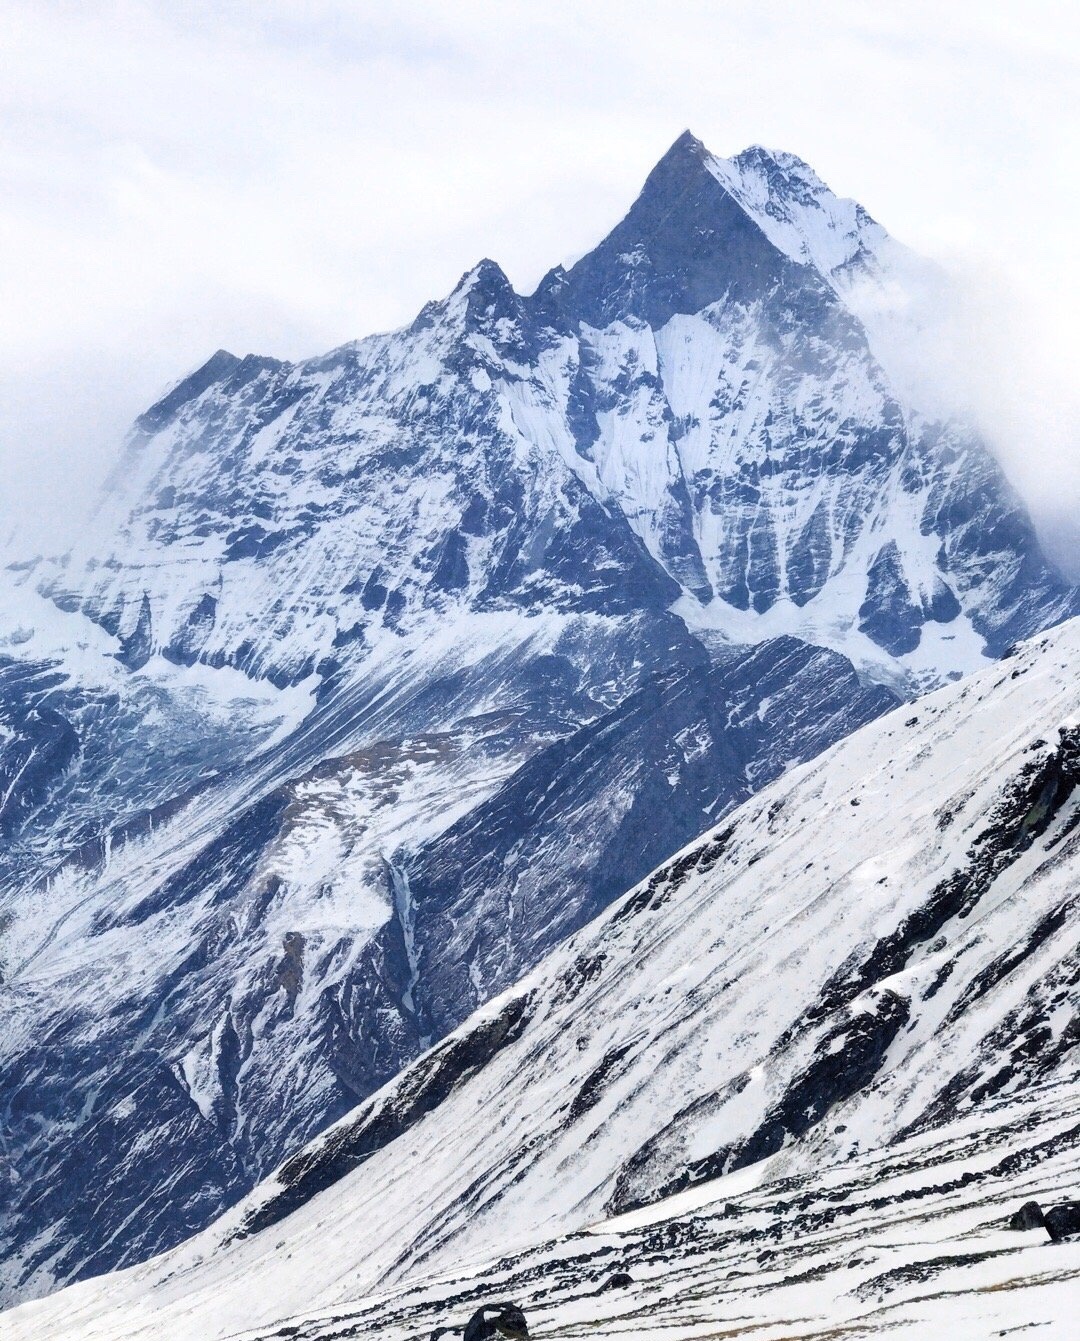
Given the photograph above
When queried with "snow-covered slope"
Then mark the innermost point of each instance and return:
(378, 674)
(910, 1241)
(882, 943)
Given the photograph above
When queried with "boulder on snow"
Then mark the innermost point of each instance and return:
(1029, 1216)
(618, 1280)
(490, 1323)
(1060, 1222)
(1063, 1221)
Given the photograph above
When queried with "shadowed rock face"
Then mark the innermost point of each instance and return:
(519, 856)
(380, 673)
(378, 1124)
(685, 244)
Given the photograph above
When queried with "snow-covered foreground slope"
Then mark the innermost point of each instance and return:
(860, 991)
(908, 1242)
(378, 674)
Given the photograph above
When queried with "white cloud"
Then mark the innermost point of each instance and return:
(281, 177)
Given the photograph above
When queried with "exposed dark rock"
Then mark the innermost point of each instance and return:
(618, 1280)
(1029, 1216)
(189, 642)
(1027, 806)
(1063, 1221)
(889, 614)
(137, 646)
(422, 1088)
(490, 1322)
(593, 1087)
(844, 1061)
(496, 1320)
(452, 570)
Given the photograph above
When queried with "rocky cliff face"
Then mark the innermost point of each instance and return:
(378, 674)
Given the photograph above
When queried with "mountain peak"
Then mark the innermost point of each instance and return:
(686, 242)
(687, 143)
(218, 366)
(486, 293)
(687, 160)
(755, 158)
(485, 274)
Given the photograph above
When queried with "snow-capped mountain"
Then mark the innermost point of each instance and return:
(378, 674)
(692, 412)
(853, 1003)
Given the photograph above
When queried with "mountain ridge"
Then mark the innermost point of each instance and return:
(443, 638)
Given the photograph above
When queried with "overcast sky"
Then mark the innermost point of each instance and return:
(281, 177)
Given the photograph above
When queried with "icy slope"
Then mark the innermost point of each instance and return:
(883, 942)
